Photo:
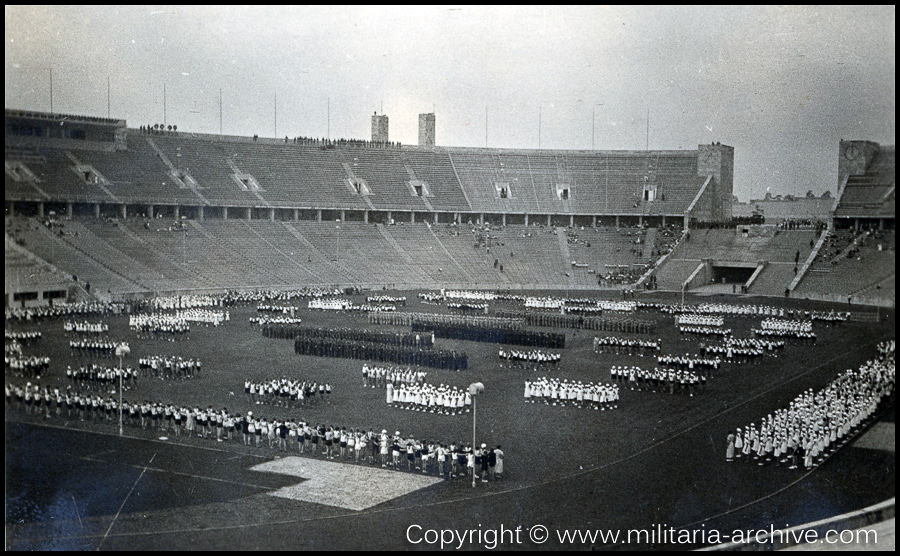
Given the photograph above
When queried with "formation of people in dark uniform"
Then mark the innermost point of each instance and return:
(403, 339)
(496, 335)
(580, 322)
(348, 349)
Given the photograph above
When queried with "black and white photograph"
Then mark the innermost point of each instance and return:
(495, 278)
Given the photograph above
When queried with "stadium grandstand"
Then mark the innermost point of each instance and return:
(281, 213)
(133, 212)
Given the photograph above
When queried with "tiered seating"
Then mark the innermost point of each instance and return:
(434, 168)
(774, 279)
(162, 247)
(730, 245)
(871, 194)
(136, 175)
(431, 258)
(54, 249)
(672, 274)
(601, 182)
(21, 270)
(836, 244)
(59, 179)
(779, 250)
(861, 267)
(386, 177)
(292, 175)
(205, 161)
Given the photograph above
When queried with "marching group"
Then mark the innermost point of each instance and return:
(658, 380)
(85, 327)
(553, 391)
(97, 377)
(786, 329)
(611, 344)
(288, 393)
(94, 348)
(534, 356)
(157, 325)
(380, 377)
(22, 336)
(816, 423)
(446, 459)
(169, 367)
(443, 399)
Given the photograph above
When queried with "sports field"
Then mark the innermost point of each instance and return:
(657, 459)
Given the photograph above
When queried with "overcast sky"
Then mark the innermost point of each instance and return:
(781, 84)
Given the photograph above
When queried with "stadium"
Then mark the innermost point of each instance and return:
(646, 315)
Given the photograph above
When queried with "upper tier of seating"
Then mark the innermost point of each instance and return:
(183, 169)
(871, 194)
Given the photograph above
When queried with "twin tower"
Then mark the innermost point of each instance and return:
(426, 129)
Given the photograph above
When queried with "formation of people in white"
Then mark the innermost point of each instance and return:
(688, 362)
(579, 303)
(468, 305)
(746, 310)
(658, 379)
(164, 367)
(85, 327)
(442, 399)
(158, 324)
(725, 309)
(552, 391)
(283, 309)
(743, 348)
(704, 330)
(467, 295)
(699, 320)
(286, 392)
(339, 304)
(95, 347)
(386, 299)
(614, 344)
(275, 320)
(815, 423)
(22, 336)
(60, 310)
(530, 356)
(789, 328)
(186, 302)
(96, 377)
(380, 377)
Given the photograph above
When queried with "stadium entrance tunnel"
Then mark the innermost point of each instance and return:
(726, 274)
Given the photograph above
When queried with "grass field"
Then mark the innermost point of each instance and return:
(657, 459)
